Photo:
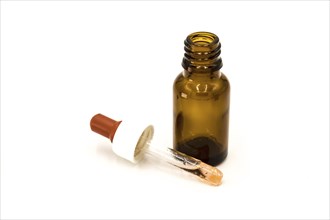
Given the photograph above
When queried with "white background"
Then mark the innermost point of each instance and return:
(63, 62)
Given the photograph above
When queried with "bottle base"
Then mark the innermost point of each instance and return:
(205, 149)
(215, 161)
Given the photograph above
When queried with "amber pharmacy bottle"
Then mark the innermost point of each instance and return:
(201, 101)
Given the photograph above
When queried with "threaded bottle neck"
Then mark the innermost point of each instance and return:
(202, 53)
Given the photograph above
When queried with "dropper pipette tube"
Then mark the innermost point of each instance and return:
(204, 172)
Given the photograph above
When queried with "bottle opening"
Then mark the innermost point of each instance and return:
(203, 39)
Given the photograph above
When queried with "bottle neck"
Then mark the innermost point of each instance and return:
(202, 53)
(211, 74)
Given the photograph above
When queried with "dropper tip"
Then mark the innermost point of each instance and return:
(213, 176)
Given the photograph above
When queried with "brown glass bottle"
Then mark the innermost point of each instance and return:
(201, 101)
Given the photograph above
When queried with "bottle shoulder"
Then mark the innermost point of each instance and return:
(201, 84)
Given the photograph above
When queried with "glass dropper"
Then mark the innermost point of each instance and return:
(138, 144)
